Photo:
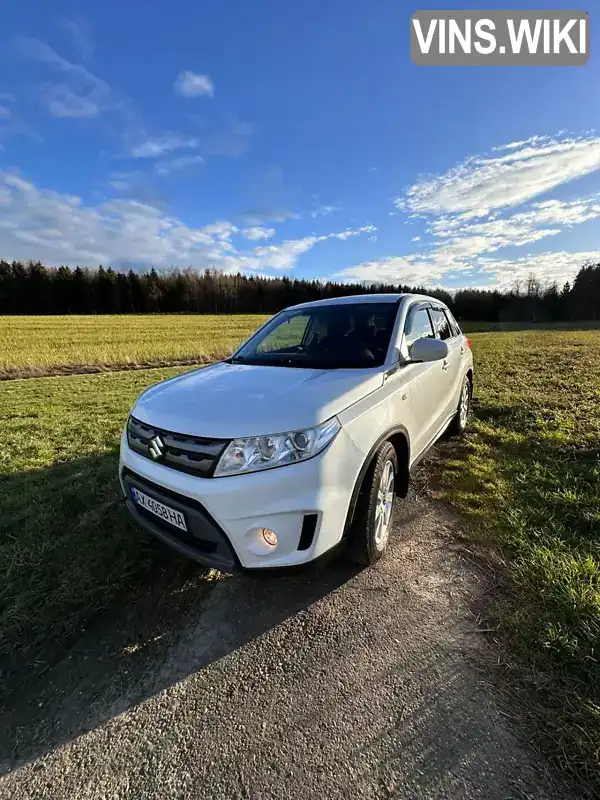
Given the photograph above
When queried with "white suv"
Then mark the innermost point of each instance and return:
(300, 442)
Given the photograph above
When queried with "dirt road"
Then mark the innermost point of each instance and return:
(346, 684)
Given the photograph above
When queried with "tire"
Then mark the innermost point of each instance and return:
(374, 513)
(461, 418)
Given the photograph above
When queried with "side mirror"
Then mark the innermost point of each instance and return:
(424, 350)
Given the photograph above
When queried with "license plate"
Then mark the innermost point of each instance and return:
(166, 513)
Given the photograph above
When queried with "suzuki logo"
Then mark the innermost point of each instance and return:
(156, 448)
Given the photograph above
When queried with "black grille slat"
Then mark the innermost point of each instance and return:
(139, 428)
(207, 448)
(195, 455)
(189, 463)
(138, 446)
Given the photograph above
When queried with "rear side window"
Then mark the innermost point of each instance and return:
(441, 324)
(454, 326)
(418, 326)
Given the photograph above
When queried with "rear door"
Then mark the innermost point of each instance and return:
(451, 368)
(464, 348)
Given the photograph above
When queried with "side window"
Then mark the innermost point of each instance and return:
(454, 326)
(441, 324)
(418, 326)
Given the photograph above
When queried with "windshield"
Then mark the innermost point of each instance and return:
(351, 335)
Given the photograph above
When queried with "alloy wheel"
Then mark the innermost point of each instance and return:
(384, 504)
(464, 403)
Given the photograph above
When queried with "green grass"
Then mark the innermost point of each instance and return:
(32, 346)
(67, 547)
(527, 480)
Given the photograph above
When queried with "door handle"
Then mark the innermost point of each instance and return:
(445, 365)
(462, 351)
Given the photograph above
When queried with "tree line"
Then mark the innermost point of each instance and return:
(32, 288)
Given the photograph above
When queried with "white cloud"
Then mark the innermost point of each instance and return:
(558, 212)
(515, 145)
(80, 94)
(11, 124)
(39, 51)
(192, 84)
(61, 229)
(461, 245)
(481, 184)
(350, 232)
(256, 233)
(286, 254)
(63, 101)
(559, 266)
(466, 213)
(324, 211)
(414, 270)
(80, 31)
(411, 269)
(177, 165)
(221, 230)
(153, 148)
(124, 181)
(231, 142)
(272, 214)
(462, 239)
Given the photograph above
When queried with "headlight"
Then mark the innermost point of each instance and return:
(264, 452)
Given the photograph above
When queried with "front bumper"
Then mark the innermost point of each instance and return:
(305, 504)
(204, 541)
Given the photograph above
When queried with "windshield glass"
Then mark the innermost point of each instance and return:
(350, 335)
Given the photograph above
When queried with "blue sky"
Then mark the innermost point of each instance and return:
(297, 139)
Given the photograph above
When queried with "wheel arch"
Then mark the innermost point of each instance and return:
(399, 438)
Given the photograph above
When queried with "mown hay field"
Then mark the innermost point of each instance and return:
(47, 345)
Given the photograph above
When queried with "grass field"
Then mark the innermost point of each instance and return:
(31, 346)
(526, 479)
(67, 547)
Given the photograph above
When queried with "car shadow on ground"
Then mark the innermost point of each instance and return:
(408, 708)
(109, 660)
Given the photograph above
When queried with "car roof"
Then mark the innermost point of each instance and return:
(367, 298)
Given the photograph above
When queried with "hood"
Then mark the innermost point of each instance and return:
(235, 400)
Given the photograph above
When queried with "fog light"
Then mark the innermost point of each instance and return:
(270, 537)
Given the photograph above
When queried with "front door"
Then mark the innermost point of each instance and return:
(427, 395)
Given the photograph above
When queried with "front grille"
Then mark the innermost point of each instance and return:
(191, 454)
